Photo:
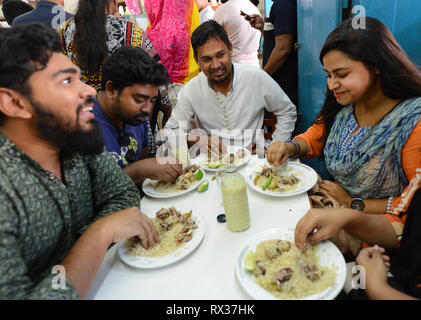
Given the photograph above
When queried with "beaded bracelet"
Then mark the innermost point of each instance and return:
(389, 204)
(297, 148)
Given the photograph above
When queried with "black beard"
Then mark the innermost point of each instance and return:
(222, 81)
(74, 141)
(133, 121)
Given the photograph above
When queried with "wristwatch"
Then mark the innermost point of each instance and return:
(357, 204)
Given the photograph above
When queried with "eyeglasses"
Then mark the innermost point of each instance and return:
(124, 141)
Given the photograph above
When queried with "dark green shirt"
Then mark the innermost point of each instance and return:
(41, 217)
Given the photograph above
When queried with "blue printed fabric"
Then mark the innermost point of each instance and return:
(368, 164)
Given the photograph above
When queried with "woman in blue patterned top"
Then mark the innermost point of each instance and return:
(368, 129)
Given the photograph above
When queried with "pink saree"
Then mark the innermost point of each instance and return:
(171, 25)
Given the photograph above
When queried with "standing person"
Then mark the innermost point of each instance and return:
(280, 58)
(94, 33)
(220, 97)
(171, 25)
(130, 82)
(205, 10)
(369, 128)
(244, 39)
(63, 199)
(50, 13)
(1, 11)
(14, 8)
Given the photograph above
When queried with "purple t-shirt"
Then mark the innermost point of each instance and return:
(122, 143)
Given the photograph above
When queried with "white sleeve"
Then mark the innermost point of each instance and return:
(182, 114)
(279, 103)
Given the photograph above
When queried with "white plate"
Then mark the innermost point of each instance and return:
(307, 176)
(148, 188)
(158, 262)
(203, 159)
(329, 254)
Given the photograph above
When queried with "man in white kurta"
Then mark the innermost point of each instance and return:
(228, 99)
(245, 39)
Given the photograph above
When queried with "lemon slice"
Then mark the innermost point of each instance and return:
(250, 261)
(214, 165)
(204, 186)
(198, 174)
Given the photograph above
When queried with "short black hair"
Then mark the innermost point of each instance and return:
(208, 30)
(131, 65)
(24, 50)
(14, 8)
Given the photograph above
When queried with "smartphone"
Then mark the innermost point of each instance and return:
(245, 15)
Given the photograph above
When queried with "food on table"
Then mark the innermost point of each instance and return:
(215, 161)
(204, 186)
(175, 230)
(287, 272)
(276, 180)
(250, 261)
(190, 176)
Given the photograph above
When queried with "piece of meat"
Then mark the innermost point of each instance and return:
(166, 226)
(182, 238)
(282, 276)
(266, 172)
(163, 213)
(312, 272)
(280, 247)
(260, 270)
(283, 245)
(174, 212)
(272, 253)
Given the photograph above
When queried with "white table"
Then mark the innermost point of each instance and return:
(208, 273)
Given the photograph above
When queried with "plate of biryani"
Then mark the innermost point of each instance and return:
(271, 267)
(291, 180)
(235, 156)
(180, 234)
(189, 180)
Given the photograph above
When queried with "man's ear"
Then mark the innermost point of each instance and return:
(14, 105)
(110, 91)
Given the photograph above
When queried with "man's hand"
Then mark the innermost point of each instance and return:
(129, 223)
(210, 144)
(321, 224)
(164, 168)
(256, 21)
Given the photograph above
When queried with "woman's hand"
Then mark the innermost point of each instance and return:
(376, 265)
(336, 192)
(321, 224)
(279, 152)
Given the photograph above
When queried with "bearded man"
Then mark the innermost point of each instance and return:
(63, 198)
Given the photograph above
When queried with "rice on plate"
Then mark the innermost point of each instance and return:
(289, 273)
(183, 182)
(174, 229)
